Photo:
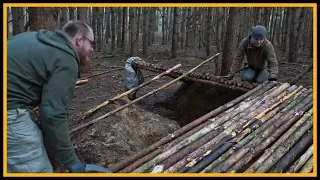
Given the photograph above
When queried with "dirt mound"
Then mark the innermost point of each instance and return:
(120, 136)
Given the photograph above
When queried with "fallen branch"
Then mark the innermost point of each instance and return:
(91, 111)
(140, 98)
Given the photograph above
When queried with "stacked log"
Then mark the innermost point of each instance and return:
(205, 78)
(267, 129)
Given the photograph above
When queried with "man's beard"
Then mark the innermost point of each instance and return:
(85, 64)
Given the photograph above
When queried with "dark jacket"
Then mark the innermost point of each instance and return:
(43, 68)
(257, 57)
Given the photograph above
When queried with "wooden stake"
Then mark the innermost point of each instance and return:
(82, 81)
(140, 98)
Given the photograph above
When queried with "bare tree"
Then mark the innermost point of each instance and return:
(119, 18)
(175, 35)
(43, 18)
(82, 13)
(133, 25)
(208, 31)
(71, 13)
(230, 41)
(113, 29)
(145, 31)
(293, 47)
(63, 17)
(17, 20)
(124, 20)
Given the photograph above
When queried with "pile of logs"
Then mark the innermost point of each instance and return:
(205, 78)
(267, 129)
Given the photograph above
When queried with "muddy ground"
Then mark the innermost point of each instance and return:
(131, 130)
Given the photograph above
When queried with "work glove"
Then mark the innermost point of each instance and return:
(88, 168)
(272, 79)
(229, 77)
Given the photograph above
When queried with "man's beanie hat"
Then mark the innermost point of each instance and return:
(259, 32)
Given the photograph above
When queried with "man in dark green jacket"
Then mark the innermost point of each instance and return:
(43, 68)
(261, 58)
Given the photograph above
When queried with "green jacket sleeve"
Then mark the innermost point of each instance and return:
(272, 62)
(56, 97)
(236, 64)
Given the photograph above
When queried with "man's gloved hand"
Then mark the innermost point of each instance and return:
(88, 168)
(272, 79)
(229, 77)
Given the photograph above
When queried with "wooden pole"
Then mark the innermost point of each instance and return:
(283, 164)
(82, 81)
(91, 111)
(279, 142)
(140, 98)
(307, 168)
(301, 161)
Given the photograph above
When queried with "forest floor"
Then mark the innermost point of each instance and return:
(129, 131)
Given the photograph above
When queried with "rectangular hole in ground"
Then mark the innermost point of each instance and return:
(185, 103)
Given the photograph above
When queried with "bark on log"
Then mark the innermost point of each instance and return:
(278, 143)
(255, 145)
(296, 113)
(294, 153)
(307, 168)
(301, 161)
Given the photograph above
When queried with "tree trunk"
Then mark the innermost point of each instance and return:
(287, 38)
(183, 29)
(219, 16)
(151, 19)
(119, 32)
(63, 17)
(43, 18)
(256, 16)
(300, 28)
(163, 30)
(272, 27)
(124, 21)
(108, 25)
(293, 47)
(133, 25)
(145, 31)
(94, 21)
(230, 41)
(71, 13)
(266, 17)
(17, 20)
(208, 31)
(82, 13)
(113, 29)
(90, 16)
(138, 15)
(175, 32)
